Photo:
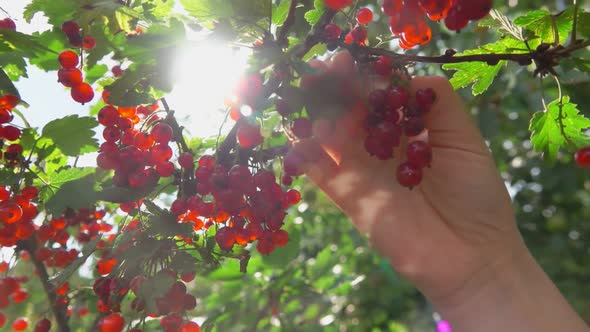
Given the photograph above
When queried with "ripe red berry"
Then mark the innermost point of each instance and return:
(397, 97)
(69, 76)
(225, 238)
(419, 154)
(117, 71)
(162, 132)
(280, 238)
(338, 4)
(70, 28)
(331, 32)
(364, 16)
(456, 20)
(2, 319)
(111, 323)
(88, 42)
(425, 98)
(582, 157)
(359, 34)
(7, 23)
(190, 327)
(82, 93)
(108, 116)
(20, 324)
(249, 135)
(186, 160)
(44, 325)
(10, 133)
(391, 7)
(408, 175)
(413, 126)
(68, 59)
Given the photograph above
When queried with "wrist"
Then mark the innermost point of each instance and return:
(514, 294)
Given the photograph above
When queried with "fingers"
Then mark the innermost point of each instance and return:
(449, 123)
(316, 163)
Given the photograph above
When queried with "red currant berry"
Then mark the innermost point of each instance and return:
(70, 28)
(331, 32)
(408, 175)
(359, 34)
(7, 23)
(68, 59)
(108, 116)
(419, 154)
(337, 4)
(20, 324)
(456, 20)
(364, 16)
(425, 98)
(249, 135)
(162, 132)
(111, 323)
(82, 93)
(69, 77)
(397, 97)
(582, 157)
(186, 160)
(225, 238)
(190, 327)
(44, 325)
(88, 42)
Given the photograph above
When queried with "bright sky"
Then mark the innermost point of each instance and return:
(204, 78)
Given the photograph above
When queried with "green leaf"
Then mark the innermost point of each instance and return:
(208, 10)
(73, 135)
(583, 26)
(313, 16)
(75, 194)
(481, 74)
(318, 49)
(549, 134)
(280, 12)
(95, 73)
(70, 174)
(547, 26)
(6, 85)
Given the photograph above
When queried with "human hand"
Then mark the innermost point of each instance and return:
(452, 228)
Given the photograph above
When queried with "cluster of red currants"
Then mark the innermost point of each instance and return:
(139, 158)
(250, 207)
(17, 212)
(13, 153)
(69, 75)
(395, 112)
(407, 19)
(12, 290)
(72, 77)
(75, 36)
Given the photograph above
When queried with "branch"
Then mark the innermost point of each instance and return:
(288, 24)
(540, 55)
(58, 312)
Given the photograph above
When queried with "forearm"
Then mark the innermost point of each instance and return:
(518, 296)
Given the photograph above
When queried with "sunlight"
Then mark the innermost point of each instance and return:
(205, 75)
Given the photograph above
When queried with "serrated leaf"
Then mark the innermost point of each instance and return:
(208, 10)
(280, 12)
(313, 16)
(73, 135)
(481, 74)
(583, 24)
(318, 49)
(6, 85)
(57, 179)
(94, 73)
(549, 134)
(57, 11)
(547, 26)
(74, 194)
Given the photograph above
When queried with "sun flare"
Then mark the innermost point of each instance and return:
(205, 75)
